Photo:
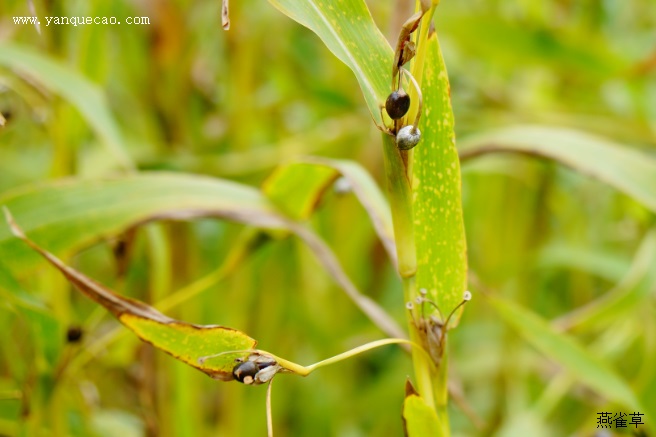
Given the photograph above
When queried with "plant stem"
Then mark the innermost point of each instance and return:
(401, 203)
(442, 394)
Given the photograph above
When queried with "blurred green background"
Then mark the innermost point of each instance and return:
(190, 97)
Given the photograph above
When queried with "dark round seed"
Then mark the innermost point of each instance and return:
(397, 104)
(245, 372)
(74, 334)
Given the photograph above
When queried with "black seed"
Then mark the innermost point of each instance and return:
(397, 104)
(244, 370)
(74, 334)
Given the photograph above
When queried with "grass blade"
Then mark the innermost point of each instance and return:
(628, 170)
(184, 341)
(565, 350)
(87, 97)
(310, 177)
(349, 31)
(437, 206)
(71, 214)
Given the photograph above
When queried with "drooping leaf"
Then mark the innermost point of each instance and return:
(349, 31)
(419, 419)
(370, 196)
(565, 350)
(188, 342)
(437, 205)
(628, 170)
(87, 97)
(71, 214)
(309, 178)
(367, 305)
(184, 341)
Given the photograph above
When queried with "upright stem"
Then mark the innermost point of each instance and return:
(442, 394)
(400, 193)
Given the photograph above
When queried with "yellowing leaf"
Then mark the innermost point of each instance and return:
(297, 188)
(308, 179)
(185, 341)
(189, 343)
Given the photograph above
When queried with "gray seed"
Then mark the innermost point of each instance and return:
(407, 137)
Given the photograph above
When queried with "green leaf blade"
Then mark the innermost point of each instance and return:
(630, 171)
(189, 343)
(563, 349)
(437, 204)
(348, 30)
(84, 95)
(186, 342)
(70, 214)
(310, 177)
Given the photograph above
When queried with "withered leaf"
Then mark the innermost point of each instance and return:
(185, 341)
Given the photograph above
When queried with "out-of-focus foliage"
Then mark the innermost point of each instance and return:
(188, 96)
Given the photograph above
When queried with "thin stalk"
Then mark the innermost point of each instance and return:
(359, 350)
(301, 370)
(269, 413)
(164, 378)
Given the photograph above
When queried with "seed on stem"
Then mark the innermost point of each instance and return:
(397, 104)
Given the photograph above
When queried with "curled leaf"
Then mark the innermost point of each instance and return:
(405, 48)
(106, 207)
(184, 341)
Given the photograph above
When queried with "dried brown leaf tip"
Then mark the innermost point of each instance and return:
(410, 389)
(405, 48)
(225, 14)
(184, 341)
(113, 302)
